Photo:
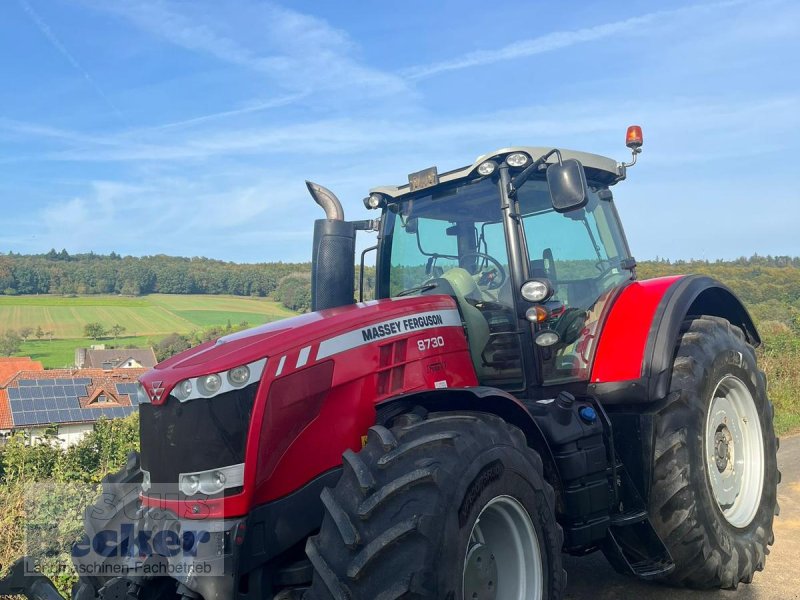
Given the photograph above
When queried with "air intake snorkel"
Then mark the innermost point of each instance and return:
(333, 253)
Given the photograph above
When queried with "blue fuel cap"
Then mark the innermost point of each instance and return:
(588, 414)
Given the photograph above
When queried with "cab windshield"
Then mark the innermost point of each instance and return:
(451, 240)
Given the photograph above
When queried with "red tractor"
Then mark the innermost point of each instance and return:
(513, 393)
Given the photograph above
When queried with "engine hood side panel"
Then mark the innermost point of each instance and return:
(324, 374)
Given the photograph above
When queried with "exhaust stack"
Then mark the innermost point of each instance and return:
(333, 254)
(327, 200)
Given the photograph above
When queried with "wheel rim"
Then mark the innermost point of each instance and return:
(734, 451)
(503, 560)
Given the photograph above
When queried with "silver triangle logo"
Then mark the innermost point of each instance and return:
(156, 391)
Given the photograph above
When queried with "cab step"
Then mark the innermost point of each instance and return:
(633, 546)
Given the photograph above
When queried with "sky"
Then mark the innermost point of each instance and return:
(189, 127)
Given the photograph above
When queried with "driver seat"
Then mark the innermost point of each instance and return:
(464, 287)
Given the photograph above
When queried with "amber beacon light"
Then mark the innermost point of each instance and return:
(633, 137)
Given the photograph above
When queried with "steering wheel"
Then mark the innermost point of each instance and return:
(491, 283)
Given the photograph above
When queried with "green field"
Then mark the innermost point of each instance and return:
(157, 314)
(146, 319)
(56, 354)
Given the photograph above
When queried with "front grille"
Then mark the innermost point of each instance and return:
(198, 435)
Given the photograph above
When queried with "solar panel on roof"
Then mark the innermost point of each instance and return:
(13, 393)
(27, 382)
(82, 381)
(126, 388)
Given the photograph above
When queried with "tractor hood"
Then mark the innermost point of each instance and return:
(281, 337)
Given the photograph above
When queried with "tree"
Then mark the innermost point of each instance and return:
(94, 330)
(39, 333)
(171, 345)
(9, 343)
(117, 329)
(25, 332)
(294, 292)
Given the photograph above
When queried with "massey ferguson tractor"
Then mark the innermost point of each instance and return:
(513, 393)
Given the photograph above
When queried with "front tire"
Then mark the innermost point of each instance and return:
(714, 488)
(453, 506)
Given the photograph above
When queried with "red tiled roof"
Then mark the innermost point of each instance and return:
(11, 365)
(6, 422)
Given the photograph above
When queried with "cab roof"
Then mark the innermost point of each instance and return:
(600, 169)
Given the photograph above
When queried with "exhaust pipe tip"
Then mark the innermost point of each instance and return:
(327, 200)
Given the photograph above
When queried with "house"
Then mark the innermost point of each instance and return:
(11, 365)
(66, 402)
(116, 358)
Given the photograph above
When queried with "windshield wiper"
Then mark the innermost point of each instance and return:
(420, 288)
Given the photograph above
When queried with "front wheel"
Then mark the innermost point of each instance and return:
(714, 489)
(453, 506)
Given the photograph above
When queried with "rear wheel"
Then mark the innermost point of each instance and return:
(714, 490)
(453, 506)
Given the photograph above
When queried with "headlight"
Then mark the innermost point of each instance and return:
(212, 481)
(536, 290)
(142, 396)
(208, 386)
(183, 390)
(517, 159)
(487, 167)
(373, 201)
(190, 484)
(239, 376)
(146, 484)
(546, 338)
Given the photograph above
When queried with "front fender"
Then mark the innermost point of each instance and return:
(633, 362)
(478, 399)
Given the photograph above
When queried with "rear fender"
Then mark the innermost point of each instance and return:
(633, 363)
(477, 399)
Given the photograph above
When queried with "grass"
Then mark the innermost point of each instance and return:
(157, 314)
(61, 353)
(146, 319)
(780, 359)
(209, 318)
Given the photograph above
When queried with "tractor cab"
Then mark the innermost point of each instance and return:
(530, 268)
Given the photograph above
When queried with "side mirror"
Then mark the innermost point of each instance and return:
(568, 188)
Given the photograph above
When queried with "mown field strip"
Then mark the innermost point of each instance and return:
(149, 315)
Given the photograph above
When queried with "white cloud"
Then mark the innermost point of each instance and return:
(558, 40)
(706, 125)
(298, 52)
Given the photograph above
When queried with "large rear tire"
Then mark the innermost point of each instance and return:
(714, 485)
(453, 506)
